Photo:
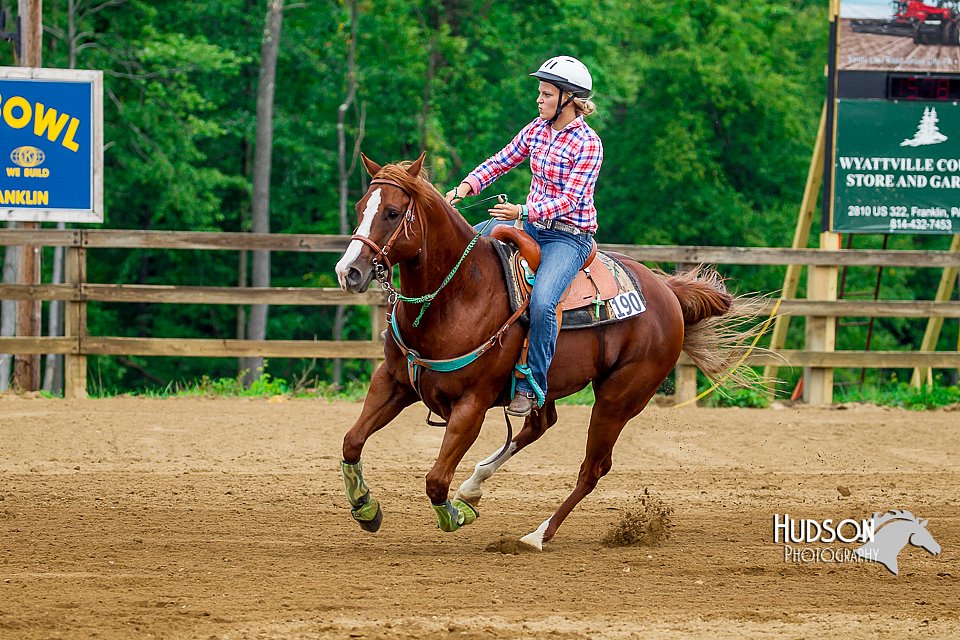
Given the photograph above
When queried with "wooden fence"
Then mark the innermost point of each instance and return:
(76, 344)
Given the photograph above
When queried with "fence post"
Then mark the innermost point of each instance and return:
(26, 366)
(378, 322)
(75, 325)
(685, 383)
(821, 331)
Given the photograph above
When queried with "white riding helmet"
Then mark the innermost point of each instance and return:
(568, 73)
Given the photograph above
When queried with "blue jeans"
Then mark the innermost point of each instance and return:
(561, 256)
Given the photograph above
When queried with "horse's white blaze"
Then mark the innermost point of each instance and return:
(535, 538)
(353, 249)
(471, 488)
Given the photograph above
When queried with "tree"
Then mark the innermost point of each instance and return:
(707, 112)
(257, 326)
(344, 171)
(78, 13)
(8, 312)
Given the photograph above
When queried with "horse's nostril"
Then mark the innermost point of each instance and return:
(353, 276)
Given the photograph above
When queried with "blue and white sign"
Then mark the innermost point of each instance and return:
(51, 145)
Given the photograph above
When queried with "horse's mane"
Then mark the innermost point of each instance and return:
(880, 519)
(418, 187)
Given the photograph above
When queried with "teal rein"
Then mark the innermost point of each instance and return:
(427, 299)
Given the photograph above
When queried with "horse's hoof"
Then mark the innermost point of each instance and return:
(453, 515)
(366, 521)
(372, 525)
(470, 513)
(535, 538)
(473, 501)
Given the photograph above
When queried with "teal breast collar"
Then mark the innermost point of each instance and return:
(416, 364)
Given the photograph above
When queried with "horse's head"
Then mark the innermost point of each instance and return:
(390, 222)
(921, 538)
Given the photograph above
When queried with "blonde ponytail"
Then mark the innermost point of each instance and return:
(584, 106)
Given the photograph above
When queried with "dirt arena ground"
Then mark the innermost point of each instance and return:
(224, 518)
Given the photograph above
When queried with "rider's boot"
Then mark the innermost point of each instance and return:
(522, 404)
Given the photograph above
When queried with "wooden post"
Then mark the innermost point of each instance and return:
(801, 235)
(821, 331)
(685, 383)
(378, 322)
(75, 326)
(26, 368)
(934, 325)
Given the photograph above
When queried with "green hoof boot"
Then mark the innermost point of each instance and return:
(453, 515)
(364, 509)
(468, 511)
(368, 515)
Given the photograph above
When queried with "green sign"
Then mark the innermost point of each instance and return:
(897, 167)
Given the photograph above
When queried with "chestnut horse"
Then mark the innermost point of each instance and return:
(405, 222)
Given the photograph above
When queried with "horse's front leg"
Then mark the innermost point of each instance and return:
(462, 431)
(386, 398)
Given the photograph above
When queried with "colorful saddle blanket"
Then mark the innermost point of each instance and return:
(604, 292)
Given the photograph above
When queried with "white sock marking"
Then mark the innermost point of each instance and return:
(353, 249)
(535, 538)
(485, 468)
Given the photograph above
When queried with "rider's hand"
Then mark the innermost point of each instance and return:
(459, 192)
(505, 211)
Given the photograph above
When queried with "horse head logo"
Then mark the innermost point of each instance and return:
(899, 528)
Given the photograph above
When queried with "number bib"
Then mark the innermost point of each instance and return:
(626, 305)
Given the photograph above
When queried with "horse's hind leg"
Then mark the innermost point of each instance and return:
(535, 425)
(615, 405)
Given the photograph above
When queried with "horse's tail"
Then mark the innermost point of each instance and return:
(701, 293)
(717, 325)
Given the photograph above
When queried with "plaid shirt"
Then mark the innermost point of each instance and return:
(565, 170)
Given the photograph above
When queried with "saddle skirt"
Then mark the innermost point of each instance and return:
(602, 293)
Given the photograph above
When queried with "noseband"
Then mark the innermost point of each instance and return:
(408, 217)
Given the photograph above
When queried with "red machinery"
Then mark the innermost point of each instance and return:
(934, 23)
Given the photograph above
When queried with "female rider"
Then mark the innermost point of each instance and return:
(565, 157)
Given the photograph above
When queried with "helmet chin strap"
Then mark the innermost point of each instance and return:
(560, 107)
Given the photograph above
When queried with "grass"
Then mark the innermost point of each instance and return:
(584, 396)
(266, 386)
(749, 398)
(890, 393)
(901, 394)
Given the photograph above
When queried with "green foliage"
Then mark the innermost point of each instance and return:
(901, 394)
(708, 112)
(264, 386)
(748, 398)
(584, 396)
(267, 387)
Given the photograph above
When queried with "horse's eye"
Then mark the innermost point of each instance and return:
(393, 213)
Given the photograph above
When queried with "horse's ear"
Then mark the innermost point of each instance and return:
(924, 523)
(372, 167)
(414, 169)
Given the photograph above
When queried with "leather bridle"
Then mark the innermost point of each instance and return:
(411, 214)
